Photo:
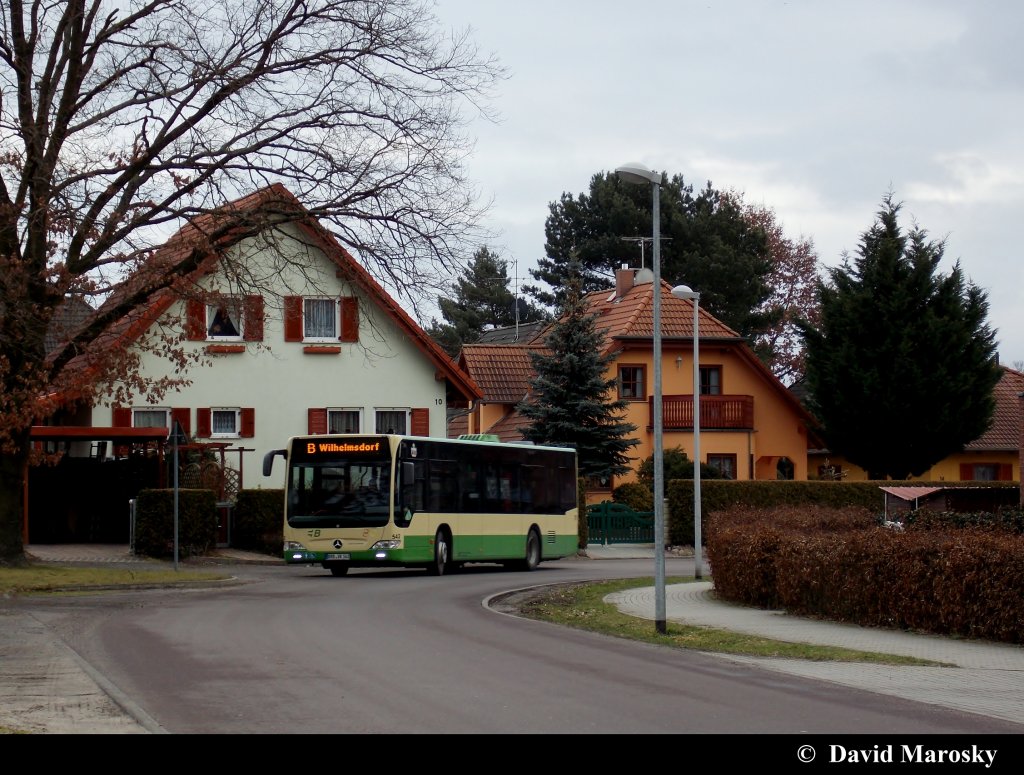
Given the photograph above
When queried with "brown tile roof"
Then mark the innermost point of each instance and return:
(510, 427)
(631, 316)
(207, 235)
(501, 371)
(1005, 431)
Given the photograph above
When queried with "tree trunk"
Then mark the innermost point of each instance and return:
(13, 472)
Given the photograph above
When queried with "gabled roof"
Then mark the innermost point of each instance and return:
(524, 333)
(1004, 433)
(631, 316)
(502, 371)
(206, 238)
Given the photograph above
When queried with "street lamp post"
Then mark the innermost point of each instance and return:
(684, 292)
(639, 175)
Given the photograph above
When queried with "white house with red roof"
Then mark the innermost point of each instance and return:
(306, 342)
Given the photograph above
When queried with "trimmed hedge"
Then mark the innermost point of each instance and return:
(718, 494)
(843, 565)
(258, 521)
(154, 523)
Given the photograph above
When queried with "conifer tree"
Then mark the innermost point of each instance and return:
(901, 371)
(570, 401)
(480, 299)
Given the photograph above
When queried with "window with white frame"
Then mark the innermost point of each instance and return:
(344, 420)
(225, 319)
(224, 423)
(151, 418)
(392, 421)
(320, 319)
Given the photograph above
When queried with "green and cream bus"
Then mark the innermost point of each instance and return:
(360, 501)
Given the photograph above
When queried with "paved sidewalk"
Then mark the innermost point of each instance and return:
(981, 677)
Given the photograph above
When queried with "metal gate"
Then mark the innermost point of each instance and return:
(616, 523)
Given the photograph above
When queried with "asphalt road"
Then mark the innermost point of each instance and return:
(295, 650)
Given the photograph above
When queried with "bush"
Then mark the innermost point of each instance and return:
(154, 523)
(841, 564)
(258, 521)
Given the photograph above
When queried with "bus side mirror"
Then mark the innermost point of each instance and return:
(268, 460)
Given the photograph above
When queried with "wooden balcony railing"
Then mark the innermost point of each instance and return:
(716, 412)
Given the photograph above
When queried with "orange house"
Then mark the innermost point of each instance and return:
(751, 426)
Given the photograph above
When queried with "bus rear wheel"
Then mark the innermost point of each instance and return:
(442, 555)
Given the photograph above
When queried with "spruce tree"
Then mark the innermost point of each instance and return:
(901, 371)
(570, 402)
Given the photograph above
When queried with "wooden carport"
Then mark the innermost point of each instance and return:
(117, 437)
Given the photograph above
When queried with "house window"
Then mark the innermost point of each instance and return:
(343, 421)
(392, 421)
(985, 472)
(151, 418)
(725, 464)
(320, 320)
(225, 320)
(785, 469)
(224, 423)
(711, 380)
(631, 383)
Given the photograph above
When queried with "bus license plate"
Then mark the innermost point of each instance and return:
(337, 556)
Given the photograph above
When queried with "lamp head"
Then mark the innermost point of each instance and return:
(685, 292)
(637, 173)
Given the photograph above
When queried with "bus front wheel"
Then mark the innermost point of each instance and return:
(532, 559)
(442, 554)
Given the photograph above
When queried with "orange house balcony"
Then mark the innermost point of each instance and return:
(716, 412)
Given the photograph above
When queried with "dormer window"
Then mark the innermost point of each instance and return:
(225, 320)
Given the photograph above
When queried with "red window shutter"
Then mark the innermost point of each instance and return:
(317, 422)
(293, 318)
(420, 422)
(349, 318)
(1005, 472)
(195, 323)
(248, 429)
(966, 472)
(253, 323)
(203, 423)
(184, 418)
(122, 417)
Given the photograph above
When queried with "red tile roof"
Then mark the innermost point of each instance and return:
(502, 371)
(1004, 433)
(631, 316)
(510, 427)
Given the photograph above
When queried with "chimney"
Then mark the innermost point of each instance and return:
(623, 281)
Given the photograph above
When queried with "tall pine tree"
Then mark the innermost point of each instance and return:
(570, 402)
(480, 299)
(901, 371)
(707, 242)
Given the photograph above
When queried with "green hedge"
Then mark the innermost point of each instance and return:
(718, 494)
(258, 521)
(154, 523)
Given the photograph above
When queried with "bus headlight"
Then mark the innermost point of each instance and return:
(389, 544)
(294, 546)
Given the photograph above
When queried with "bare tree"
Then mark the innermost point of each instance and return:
(793, 279)
(120, 120)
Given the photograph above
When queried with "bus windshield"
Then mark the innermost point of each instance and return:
(339, 493)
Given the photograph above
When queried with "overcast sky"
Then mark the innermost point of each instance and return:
(815, 109)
